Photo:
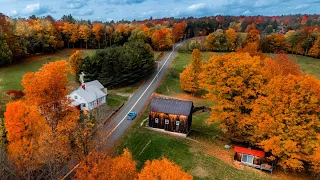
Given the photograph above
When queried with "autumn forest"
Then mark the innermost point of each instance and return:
(259, 96)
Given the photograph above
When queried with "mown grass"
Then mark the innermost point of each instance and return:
(11, 76)
(171, 83)
(308, 65)
(115, 101)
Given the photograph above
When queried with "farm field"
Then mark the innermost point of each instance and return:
(11, 76)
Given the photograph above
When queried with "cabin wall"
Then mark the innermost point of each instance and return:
(256, 159)
(177, 123)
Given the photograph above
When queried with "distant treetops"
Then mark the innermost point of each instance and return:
(264, 102)
(23, 37)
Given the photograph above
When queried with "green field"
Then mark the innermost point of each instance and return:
(11, 76)
(115, 101)
(171, 83)
(147, 144)
(308, 65)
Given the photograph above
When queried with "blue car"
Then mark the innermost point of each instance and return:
(131, 115)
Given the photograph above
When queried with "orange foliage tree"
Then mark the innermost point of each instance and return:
(47, 91)
(163, 169)
(253, 50)
(25, 125)
(162, 38)
(178, 31)
(286, 120)
(253, 36)
(281, 64)
(189, 77)
(98, 166)
(97, 30)
(235, 81)
(75, 62)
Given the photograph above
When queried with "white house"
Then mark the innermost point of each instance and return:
(89, 96)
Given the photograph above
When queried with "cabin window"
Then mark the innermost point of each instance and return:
(166, 121)
(247, 158)
(156, 120)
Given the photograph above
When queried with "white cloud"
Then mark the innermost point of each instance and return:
(74, 4)
(122, 2)
(247, 12)
(83, 12)
(36, 9)
(196, 7)
(13, 13)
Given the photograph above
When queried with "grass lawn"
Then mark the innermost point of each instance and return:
(11, 76)
(171, 83)
(308, 65)
(115, 101)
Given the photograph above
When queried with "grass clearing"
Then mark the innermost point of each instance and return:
(115, 101)
(171, 83)
(11, 75)
(308, 65)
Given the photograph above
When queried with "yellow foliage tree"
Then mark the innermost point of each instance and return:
(234, 80)
(232, 36)
(189, 77)
(75, 62)
(315, 50)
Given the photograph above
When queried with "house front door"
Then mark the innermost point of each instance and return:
(166, 124)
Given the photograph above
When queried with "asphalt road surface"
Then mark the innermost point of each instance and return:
(119, 124)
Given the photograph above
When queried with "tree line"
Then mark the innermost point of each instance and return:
(24, 37)
(304, 41)
(262, 102)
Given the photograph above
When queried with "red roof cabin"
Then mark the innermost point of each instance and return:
(252, 158)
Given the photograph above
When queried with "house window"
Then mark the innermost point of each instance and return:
(156, 120)
(75, 97)
(166, 121)
(83, 105)
(177, 123)
(247, 158)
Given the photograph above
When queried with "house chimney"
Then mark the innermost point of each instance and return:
(83, 86)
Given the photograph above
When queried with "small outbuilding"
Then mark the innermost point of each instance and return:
(252, 158)
(171, 115)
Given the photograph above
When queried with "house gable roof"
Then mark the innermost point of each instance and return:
(94, 83)
(171, 106)
(90, 93)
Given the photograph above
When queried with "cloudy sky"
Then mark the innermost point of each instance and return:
(106, 10)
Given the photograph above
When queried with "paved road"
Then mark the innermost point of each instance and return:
(136, 103)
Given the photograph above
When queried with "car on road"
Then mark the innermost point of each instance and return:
(131, 115)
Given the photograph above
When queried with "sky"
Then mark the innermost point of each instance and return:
(107, 10)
